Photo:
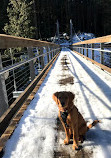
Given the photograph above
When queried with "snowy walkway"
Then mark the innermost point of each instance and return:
(35, 135)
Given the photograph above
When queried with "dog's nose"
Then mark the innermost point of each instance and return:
(62, 103)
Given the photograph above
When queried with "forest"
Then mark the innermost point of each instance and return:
(38, 18)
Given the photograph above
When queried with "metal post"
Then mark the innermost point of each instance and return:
(80, 49)
(39, 65)
(83, 49)
(54, 51)
(87, 50)
(92, 46)
(31, 64)
(42, 58)
(101, 54)
(3, 92)
(51, 52)
(47, 54)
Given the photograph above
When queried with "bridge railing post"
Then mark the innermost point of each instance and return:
(3, 92)
(101, 54)
(80, 49)
(31, 63)
(42, 57)
(51, 52)
(54, 51)
(47, 54)
(92, 51)
(87, 50)
(83, 49)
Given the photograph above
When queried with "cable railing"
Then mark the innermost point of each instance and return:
(21, 60)
(97, 50)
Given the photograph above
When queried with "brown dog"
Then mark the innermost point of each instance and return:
(71, 119)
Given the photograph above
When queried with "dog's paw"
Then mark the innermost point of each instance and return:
(77, 147)
(66, 142)
(82, 139)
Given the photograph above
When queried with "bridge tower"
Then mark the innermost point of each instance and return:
(71, 30)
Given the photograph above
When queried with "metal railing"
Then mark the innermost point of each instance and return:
(97, 50)
(21, 60)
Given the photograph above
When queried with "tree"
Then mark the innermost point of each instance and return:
(3, 14)
(19, 14)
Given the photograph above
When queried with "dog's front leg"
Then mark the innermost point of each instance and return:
(67, 139)
(75, 138)
(75, 141)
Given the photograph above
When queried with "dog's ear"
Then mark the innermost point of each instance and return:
(71, 96)
(55, 97)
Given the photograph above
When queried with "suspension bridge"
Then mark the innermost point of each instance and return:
(30, 72)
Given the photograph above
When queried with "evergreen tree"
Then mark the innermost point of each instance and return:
(19, 14)
(3, 14)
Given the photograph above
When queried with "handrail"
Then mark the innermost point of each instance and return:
(104, 39)
(96, 51)
(22, 63)
(7, 41)
(99, 49)
(33, 54)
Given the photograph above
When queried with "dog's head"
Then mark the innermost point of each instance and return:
(63, 99)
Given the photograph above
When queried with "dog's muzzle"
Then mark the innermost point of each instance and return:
(63, 104)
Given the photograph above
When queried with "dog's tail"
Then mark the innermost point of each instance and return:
(93, 124)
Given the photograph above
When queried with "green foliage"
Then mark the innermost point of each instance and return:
(19, 14)
(87, 16)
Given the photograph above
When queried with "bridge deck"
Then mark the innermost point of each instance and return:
(37, 130)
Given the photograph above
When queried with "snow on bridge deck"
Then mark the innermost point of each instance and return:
(35, 135)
